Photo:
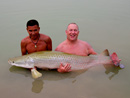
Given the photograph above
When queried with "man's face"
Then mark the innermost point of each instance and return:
(33, 31)
(72, 32)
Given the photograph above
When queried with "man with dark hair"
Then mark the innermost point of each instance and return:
(35, 41)
(32, 23)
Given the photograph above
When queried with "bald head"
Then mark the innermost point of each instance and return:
(72, 24)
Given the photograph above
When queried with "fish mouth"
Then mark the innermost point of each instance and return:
(10, 62)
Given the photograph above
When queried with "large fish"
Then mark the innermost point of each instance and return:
(53, 59)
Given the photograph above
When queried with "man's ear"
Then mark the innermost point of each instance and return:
(66, 32)
(78, 32)
(39, 28)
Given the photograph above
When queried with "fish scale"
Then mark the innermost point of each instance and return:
(53, 59)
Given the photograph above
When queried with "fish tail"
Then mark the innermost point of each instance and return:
(105, 52)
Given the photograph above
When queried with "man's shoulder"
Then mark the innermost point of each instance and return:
(63, 43)
(83, 42)
(60, 46)
(43, 36)
(24, 40)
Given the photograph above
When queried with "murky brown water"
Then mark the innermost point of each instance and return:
(103, 24)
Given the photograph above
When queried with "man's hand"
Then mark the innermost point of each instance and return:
(66, 68)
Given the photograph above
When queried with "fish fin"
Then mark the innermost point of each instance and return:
(115, 59)
(105, 52)
(30, 59)
(35, 73)
(122, 66)
(30, 62)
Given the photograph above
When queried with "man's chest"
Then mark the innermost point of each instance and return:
(33, 47)
(76, 50)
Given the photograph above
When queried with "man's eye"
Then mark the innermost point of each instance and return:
(13, 61)
(30, 30)
(35, 30)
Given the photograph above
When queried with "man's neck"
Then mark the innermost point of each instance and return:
(72, 42)
(37, 38)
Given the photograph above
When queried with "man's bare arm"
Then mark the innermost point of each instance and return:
(23, 48)
(49, 44)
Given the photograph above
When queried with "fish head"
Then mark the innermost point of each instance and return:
(16, 61)
(21, 61)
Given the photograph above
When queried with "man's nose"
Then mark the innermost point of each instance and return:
(73, 31)
(33, 32)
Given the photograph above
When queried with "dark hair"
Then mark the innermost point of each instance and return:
(32, 22)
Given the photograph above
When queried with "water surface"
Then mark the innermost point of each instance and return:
(103, 24)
